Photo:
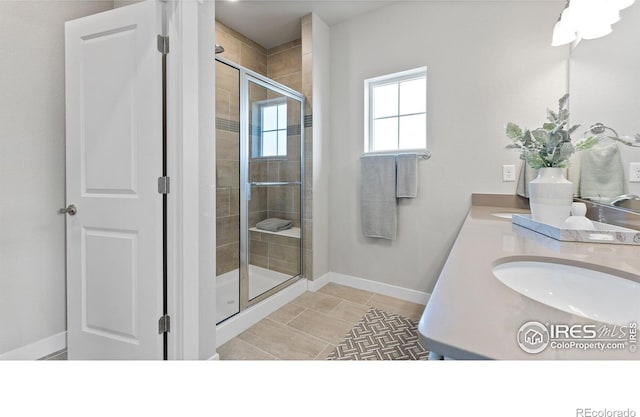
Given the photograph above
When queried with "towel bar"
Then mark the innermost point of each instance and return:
(273, 184)
(422, 154)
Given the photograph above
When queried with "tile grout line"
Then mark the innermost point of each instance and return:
(373, 294)
(328, 314)
(308, 334)
(261, 350)
(323, 349)
(297, 330)
(290, 328)
(342, 320)
(296, 316)
(318, 338)
(342, 299)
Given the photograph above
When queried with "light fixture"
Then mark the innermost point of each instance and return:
(594, 30)
(563, 31)
(591, 18)
(622, 4)
(587, 19)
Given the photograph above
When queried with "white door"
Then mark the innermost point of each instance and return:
(114, 159)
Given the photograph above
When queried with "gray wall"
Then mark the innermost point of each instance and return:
(32, 172)
(122, 3)
(488, 63)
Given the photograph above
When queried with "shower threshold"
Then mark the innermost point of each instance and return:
(261, 280)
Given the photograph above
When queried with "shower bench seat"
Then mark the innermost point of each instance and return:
(294, 232)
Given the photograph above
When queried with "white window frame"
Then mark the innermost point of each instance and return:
(258, 112)
(369, 85)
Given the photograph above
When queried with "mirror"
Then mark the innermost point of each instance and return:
(604, 87)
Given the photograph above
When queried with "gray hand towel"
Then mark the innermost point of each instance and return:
(601, 173)
(407, 175)
(378, 196)
(527, 174)
(274, 225)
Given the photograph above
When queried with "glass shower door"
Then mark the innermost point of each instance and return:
(273, 189)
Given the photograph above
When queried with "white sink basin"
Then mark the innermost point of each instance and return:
(584, 292)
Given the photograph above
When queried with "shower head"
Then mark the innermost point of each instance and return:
(219, 49)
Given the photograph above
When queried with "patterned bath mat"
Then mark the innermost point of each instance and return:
(380, 335)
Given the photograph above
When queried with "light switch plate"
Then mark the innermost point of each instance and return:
(634, 172)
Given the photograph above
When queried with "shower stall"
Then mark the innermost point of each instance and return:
(259, 176)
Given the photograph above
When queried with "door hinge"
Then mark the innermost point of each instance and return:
(164, 324)
(164, 185)
(163, 44)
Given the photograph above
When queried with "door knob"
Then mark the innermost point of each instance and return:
(71, 210)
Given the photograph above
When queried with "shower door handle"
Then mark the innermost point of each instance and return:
(248, 191)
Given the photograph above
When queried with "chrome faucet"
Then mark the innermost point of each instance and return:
(624, 197)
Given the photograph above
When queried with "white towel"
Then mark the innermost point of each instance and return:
(378, 196)
(407, 175)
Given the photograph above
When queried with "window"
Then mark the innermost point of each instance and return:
(396, 111)
(272, 131)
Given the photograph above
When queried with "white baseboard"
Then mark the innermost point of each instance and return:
(318, 283)
(406, 294)
(39, 349)
(241, 322)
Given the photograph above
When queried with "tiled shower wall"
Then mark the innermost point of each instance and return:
(240, 49)
(283, 64)
(245, 52)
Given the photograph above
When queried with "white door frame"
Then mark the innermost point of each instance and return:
(191, 166)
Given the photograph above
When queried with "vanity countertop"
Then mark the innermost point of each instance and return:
(472, 315)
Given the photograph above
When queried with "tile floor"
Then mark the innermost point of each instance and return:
(310, 326)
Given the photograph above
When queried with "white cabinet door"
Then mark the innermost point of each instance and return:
(114, 159)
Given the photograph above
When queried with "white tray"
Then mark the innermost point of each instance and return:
(603, 233)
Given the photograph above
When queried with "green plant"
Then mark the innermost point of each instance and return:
(549, 146)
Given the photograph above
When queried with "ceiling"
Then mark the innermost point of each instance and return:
(272, 23)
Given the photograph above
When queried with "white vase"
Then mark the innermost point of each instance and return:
(550, 197)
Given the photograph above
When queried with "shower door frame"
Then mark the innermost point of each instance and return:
(246, 76)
